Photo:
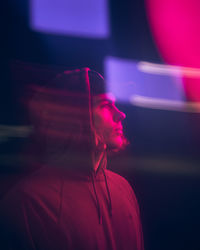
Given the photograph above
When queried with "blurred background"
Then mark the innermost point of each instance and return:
(149, 53)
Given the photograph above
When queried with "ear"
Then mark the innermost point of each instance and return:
(100, 145)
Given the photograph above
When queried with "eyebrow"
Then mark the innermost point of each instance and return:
(102, 100)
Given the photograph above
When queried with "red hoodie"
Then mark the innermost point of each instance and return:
(55, 209)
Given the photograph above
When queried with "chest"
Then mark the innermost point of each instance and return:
(88, 220)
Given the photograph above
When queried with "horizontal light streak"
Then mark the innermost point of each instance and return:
(162, 69)
(164, 104)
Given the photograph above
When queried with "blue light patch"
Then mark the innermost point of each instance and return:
(127, 79)
(78, 18)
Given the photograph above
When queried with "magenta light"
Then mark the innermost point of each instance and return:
(175, 25)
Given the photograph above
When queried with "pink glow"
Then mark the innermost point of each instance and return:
(175, 25)
(108, 122)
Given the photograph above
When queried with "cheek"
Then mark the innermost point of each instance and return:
(99, 118)
(103, 123)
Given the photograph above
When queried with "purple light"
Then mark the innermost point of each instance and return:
(86, 18)
(127, 79)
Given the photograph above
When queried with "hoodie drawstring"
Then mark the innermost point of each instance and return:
(97, 199)
(109, 196)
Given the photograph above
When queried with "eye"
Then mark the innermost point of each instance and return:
(106, 105)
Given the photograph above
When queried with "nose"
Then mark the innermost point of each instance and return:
(119, 115)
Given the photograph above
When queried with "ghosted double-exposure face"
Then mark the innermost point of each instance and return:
(108, 122)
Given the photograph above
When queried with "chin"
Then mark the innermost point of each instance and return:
(117, 144)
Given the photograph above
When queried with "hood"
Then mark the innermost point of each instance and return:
(61, 116)
(63, 132)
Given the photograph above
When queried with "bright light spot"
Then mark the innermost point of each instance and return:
(86, 18)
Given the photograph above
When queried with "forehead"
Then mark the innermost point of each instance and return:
(98, 99)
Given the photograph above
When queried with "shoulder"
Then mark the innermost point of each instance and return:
(121, 186)
(33, 201)
(42, 189)
(37, 188)
(119, 181)
(29, 208)
(116, 178)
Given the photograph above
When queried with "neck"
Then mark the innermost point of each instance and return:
(99, 159)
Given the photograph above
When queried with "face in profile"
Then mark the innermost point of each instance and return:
(107, 120)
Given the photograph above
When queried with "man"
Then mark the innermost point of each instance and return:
(73, 202)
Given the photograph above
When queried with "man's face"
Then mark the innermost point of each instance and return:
(108, 122)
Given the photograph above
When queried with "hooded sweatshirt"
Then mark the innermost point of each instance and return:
(66, 204)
